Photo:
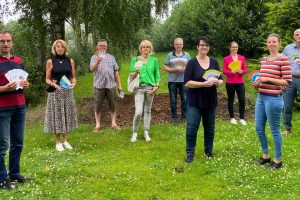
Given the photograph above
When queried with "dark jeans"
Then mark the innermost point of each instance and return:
(289, 97)
(240, 91)
(193, 121)
(12, 125)
(173, 88)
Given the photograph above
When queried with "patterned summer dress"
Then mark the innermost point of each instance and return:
(61, 110)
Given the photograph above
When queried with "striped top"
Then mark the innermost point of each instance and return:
(10, 99)
(280, 68)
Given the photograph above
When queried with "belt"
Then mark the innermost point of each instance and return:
(296, 76)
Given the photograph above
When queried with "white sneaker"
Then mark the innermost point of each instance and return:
(146, 136)
(243, 122)
(233, 121)
(134, 137)
(67, 145)
(59, 147)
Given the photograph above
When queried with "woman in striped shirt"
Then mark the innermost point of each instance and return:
(275, 73)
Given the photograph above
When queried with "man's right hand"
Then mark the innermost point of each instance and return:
(99, 59)
(9, 87)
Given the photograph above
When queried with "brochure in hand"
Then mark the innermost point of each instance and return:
(253, 75)
(211, 74)
(16, 75)
(235, 65)
(65, 82)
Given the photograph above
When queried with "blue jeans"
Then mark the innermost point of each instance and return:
(193, 121)
(173, 88)
(269, 108)
(12, 125)
(289, 98)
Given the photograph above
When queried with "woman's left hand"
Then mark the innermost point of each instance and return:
(259, 80)
(153, 91)
(24, 84)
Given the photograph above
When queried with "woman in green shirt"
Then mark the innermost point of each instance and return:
(147, 67)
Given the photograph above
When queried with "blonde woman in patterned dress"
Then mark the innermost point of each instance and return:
(61, 111)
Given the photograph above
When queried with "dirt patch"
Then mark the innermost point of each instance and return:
(161, 112)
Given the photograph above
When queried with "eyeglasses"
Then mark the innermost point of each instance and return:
(146, 47)
(204, 45)
(3, 41)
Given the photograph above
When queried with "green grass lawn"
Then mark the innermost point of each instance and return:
(108, 166)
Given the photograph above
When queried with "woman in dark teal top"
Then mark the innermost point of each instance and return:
(147, 68)
(202, 99)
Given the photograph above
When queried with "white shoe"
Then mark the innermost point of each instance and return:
(146, 136)
(243, 122)
(134, 137)
(67, 145)
(233, 121)
(59, 147)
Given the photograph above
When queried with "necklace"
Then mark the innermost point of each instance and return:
(60, 58)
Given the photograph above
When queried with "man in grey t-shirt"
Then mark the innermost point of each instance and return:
(175, 64)
(293, 52)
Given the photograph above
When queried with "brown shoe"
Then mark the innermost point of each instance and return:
(96, 129)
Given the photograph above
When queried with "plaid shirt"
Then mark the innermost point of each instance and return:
(104, 75)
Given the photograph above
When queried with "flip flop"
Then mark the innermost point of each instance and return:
(116, 127)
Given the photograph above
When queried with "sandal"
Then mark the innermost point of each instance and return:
(96, 129)
(116, 127)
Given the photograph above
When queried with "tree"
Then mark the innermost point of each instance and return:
(283, 18)
(222, 20)
(35, 17)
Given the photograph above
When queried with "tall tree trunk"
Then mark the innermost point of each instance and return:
(58, 15)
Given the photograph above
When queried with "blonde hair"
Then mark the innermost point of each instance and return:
(64, 44)
(146, 43)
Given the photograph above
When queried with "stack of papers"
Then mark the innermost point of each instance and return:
(211, 74)
(235, 65)
(16, 75)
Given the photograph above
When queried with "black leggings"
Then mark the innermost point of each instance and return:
(240, 91)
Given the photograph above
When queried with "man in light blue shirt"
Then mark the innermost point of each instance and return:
(293, 52)
(175, 64)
